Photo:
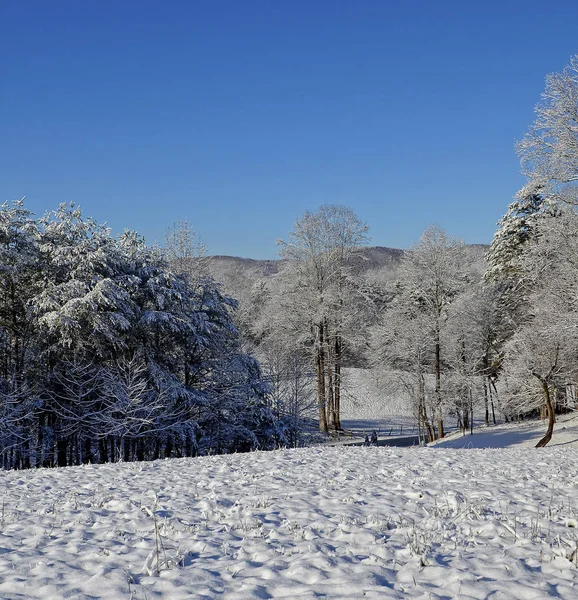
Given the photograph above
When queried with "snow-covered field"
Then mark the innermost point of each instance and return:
(335, 522)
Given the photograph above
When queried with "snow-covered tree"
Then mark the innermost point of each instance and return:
(467, 340)
(184, 251)
(20, 279)
(287, 370)
(402, 342)
(540, 358)
(319, 248)
(432, 275)
(109, 354)
(517, 229)
(549, 151)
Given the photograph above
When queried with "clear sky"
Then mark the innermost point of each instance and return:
(239, 115)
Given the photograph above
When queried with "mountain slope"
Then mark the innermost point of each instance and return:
(238, 275)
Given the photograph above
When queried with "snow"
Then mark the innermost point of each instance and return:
(331, 522)
(524, 435)
(374, 401)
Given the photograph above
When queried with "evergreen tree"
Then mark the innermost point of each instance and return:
(107, 354)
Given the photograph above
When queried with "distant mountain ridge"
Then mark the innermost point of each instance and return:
(365, 258)
(261, 267)
(238, 275)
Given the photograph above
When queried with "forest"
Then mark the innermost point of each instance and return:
(467, 329)
(108, 355)
(113, 350)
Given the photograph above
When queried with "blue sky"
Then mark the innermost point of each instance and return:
(241, 115)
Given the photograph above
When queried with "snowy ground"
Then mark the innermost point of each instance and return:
(523, 435)
(375, 401)
(338, 523)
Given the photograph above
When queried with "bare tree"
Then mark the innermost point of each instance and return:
(432, 275)
(287, 370)
(401, 342)
(538, 361)
(467, 345)
(319, 247)
(185, 251)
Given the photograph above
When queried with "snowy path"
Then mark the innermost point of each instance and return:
(314, 523)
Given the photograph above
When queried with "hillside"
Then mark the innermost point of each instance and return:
(523, 435)
(363, 259)
(238, 275)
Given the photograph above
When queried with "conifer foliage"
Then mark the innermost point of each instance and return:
(105, 354)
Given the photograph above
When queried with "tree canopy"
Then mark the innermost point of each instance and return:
(107, 354)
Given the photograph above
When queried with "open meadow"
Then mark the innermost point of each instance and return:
(333, 522)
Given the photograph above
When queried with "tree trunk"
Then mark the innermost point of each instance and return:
(331, 422)
(471, 413)
(103, 450)
(441, 431)
(422, 412)
(486, 405)
(426, 424)
(337, 383)
(329, 383)
(87, 454)
(321, 381)
(493, 385)
(337, 400)
(61, 449)
(493, 409)
(438, 389)
(126, 449)
(551, 417)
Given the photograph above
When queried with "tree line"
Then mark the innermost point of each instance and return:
(107, 354)
(463, 328)
(110, 349)
(432, 320)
